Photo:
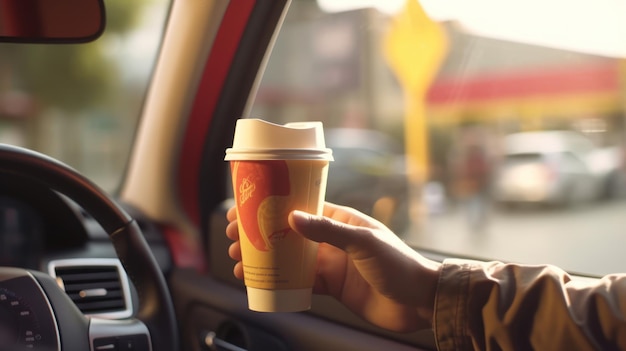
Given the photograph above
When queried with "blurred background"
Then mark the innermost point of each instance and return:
(492, 129)
(81, 103)
(485, 129)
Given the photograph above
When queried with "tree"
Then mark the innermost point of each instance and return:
(69, 76)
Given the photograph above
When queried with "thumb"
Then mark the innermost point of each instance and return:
(324, 229)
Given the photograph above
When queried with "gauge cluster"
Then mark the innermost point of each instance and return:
(26, 320)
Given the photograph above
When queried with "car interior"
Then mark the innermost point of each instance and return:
(115, 116)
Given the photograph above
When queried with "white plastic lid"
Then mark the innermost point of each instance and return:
(256, 139)
(292, 300)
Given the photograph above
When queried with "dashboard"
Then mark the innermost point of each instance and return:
(38, 225)
(44, 231)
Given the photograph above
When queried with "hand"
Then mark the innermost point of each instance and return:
(363, 265)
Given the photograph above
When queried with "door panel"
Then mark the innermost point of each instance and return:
(205, 305)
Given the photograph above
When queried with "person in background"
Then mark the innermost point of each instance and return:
(471, 169)
(469, 305)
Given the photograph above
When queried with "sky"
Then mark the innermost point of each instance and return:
(590, 26)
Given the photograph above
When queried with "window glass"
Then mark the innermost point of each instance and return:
(485, 129)
(80, 103)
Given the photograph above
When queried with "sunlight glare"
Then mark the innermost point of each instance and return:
(589, 26)
(389, 7)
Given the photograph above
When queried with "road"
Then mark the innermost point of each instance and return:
(589, 239)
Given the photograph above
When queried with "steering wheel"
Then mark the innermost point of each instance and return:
(48, 319)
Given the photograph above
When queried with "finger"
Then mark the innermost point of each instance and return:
(330, 270)
(347, 237)
(231, 215)
(234, 251)
(238, 271)
(232, 231)
(350, 216)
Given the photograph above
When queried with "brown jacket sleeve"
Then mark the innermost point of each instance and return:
(497, 306)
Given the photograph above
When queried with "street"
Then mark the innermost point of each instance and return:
(586, 239)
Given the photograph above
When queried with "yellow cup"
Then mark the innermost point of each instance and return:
(270, 180)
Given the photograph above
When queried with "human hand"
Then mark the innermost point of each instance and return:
(363, 265)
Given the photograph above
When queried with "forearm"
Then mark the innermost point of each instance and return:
(503, 306)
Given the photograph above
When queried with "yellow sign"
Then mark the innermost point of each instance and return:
(415, 46)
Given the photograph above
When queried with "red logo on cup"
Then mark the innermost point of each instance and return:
(262, 194)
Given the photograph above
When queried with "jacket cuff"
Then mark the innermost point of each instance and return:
(451, 305)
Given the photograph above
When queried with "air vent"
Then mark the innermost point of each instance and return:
(98, 287)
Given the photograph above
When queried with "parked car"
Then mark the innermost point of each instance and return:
(554, 167)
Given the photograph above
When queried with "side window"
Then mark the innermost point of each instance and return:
(475, 107)
(572, 162)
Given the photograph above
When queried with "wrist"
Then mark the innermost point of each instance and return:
(429, 280)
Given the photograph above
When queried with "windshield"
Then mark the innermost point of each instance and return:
(80, 103)
(485, 129)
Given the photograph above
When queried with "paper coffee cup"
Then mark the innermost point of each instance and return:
(277, 169)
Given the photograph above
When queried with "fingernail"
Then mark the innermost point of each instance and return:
(300, 218)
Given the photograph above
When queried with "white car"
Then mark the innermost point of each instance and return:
(554, 167)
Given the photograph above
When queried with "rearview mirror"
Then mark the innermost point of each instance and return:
(51, 21)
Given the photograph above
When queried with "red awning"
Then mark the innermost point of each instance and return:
(560, 81)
